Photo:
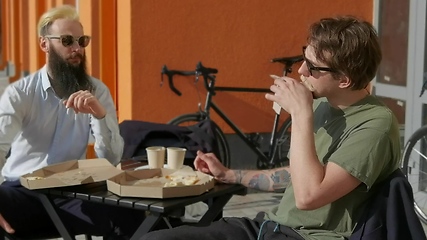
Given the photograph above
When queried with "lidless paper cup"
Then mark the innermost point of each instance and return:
(155, 156)
(175, 157)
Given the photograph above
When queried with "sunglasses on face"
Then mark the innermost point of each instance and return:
(311, 67)
(68, 40)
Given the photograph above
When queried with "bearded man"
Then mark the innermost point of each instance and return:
(48, 117)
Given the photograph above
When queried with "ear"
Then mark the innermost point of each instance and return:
(44, 44)
(344, 82)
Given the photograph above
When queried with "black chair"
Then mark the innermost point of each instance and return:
(390, 214)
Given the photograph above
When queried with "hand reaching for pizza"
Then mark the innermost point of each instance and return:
(208, 163)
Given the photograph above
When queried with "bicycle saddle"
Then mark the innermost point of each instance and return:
(288, 60)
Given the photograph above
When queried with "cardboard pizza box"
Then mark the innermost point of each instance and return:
(146, 183)
(160, 183)
(70, 173)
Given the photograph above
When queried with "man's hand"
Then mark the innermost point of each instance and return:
(85, 102)
(208, 163)
(292, 95)
(5, 225)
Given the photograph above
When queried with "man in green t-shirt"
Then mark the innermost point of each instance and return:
(339, 151)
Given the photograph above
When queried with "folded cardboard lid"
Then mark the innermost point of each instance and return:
(70, 173)
(129, 184)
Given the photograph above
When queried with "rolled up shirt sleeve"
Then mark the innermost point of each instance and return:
(108, 141)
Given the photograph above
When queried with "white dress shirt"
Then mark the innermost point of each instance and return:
(40, 131)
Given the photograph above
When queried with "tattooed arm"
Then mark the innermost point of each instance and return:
(265, 180)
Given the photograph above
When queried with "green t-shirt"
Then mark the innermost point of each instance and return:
(364, 140)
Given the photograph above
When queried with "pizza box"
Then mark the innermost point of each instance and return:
(70, 173)
(157, 183)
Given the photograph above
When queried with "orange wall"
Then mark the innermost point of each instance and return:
(133, 39)
(237, 37)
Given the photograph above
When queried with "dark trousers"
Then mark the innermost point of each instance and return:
(228, 229)
(26, 214)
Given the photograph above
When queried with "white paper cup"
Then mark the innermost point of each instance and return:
(155, 156)
(175, 158)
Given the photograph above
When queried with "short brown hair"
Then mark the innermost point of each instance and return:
(349, 45)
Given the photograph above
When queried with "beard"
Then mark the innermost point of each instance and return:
(67, 78)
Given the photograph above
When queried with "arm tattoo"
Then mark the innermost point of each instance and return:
(260, 182)
(281, 179)
(264, 180)
(253, 179)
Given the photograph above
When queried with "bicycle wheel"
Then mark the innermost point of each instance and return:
(414, 167)
(284, 143)
(193, 118)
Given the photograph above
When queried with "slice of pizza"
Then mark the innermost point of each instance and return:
(181, 180)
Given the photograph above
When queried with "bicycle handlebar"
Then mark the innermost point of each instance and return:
(170, 74)
(206, 72)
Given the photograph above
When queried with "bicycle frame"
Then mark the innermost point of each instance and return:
(209, 103)
(209, 83)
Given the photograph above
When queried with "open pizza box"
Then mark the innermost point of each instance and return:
(160, 183)
(70, 173)
(147, 183)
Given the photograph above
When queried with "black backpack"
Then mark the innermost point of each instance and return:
(138, 135)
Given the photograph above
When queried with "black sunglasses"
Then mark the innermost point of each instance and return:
(311, 67)
(68, 40)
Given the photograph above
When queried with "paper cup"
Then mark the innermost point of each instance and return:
(155, 156)
(175, 157)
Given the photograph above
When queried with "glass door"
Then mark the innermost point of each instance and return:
(401, 28)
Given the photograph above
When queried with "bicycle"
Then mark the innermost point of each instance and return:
(278, 146)
(414, 166)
